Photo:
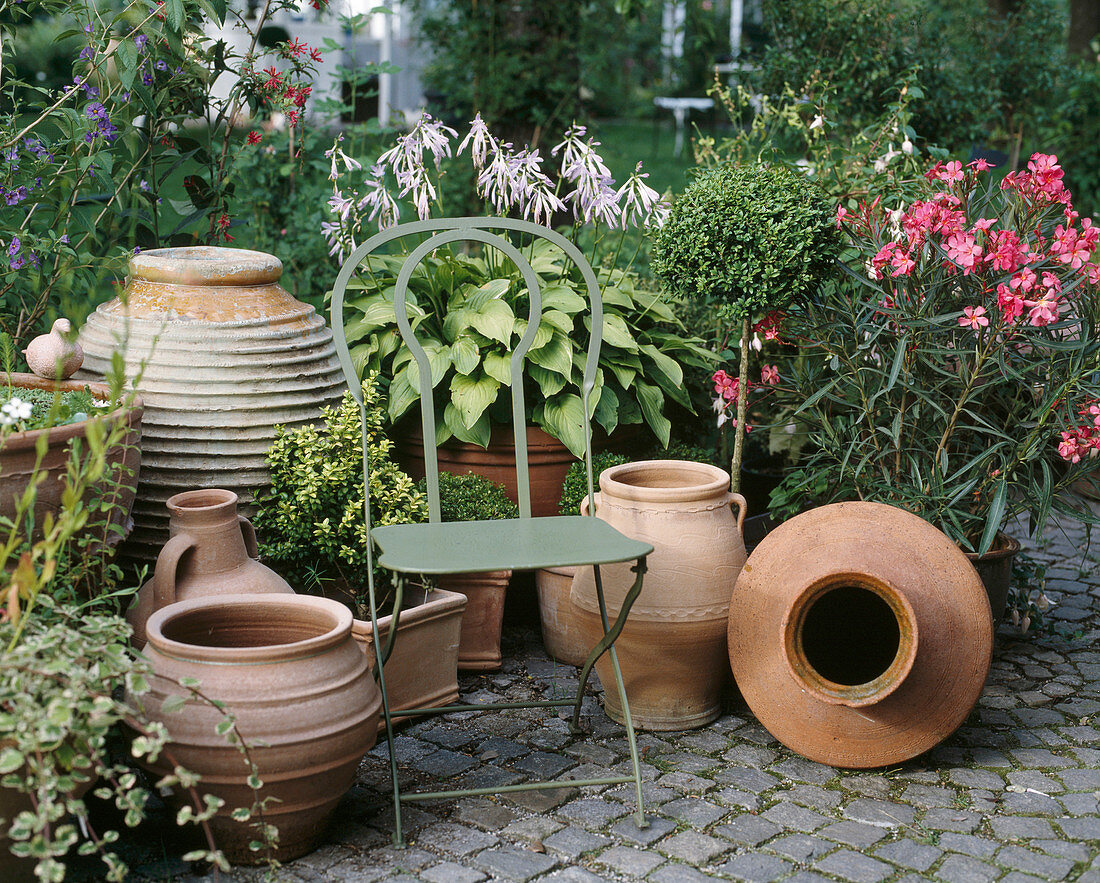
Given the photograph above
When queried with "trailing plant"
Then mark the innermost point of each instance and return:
(471, 497)
(471, 308)
(310, 524)
(956, 372)
(749, 240)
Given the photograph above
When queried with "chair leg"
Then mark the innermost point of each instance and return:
(607, 644)
(380, 655)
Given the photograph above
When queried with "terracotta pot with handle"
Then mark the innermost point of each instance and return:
(211, 550)
(673, 649)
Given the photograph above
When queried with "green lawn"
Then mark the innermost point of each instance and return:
(625, 142)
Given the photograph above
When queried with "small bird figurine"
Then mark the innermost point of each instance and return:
(53, 355)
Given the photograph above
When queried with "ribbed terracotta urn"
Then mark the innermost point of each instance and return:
(673, 649)
(222, 354)
(859, 635)
(287, 668)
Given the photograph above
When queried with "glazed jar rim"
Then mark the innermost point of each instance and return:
(711, 481)
(339, 629)
(206, 265)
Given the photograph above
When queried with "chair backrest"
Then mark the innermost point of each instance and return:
(476, 229)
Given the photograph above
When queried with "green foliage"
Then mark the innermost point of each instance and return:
(471, 497)
(49, 408)
(311, 522)
(1077, 138)
(751, 238)
(575, 487)
(471, 310)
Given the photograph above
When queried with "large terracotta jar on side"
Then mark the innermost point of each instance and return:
(211, 550)
(222, 355)
(673, 649)
(860, 635)
(286, 667)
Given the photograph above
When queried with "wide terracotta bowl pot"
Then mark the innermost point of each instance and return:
(287, 668)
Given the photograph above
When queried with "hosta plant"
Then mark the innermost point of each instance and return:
(470, 308)
(957, 372)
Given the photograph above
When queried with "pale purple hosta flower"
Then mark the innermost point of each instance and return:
(495, 182)
(423, 193)
(382, 206)
(480, 141)
(638, 199)
(435, 136)
(571, 146)
(599, 204)
(340, 205)
(337, 155)
(332, 231)
(542, 202)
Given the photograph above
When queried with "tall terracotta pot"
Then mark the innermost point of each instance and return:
(286, 667)
(859, 635)
(479, 646)
(18, 456)
(211, 551)
(548, 460)
(222, 354)
(673, 649)
(561, 630)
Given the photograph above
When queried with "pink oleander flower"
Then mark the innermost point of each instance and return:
(841, 214)
(769, 374)
(1009, 303)
(902, 263)
(974, 317)
(725, 386)
(964, 251)
(1044, 311)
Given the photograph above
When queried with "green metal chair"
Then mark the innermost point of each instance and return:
(523, 543)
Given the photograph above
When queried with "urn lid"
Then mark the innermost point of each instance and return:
(206, 265)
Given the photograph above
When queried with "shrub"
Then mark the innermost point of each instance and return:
(471, 497)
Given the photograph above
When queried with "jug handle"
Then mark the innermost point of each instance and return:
(584, 502)
(250, 544)
(164, 577)
(742, 510)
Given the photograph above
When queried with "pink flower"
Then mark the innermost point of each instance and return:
(979, 165)
(1010, 304)
(1069, 448)
(1044, 311)
(882, 258)
(974, 317)
(841, 214)
(769, 374)
(984, 224)
(1006, 251)
(725, 386)
(1024, 280)
(951, 172)
(902, 263)
(963, 250)
(1093, 271)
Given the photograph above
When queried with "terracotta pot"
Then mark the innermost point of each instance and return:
(18, 454)
(422, 671)
(673, 648)
(859, 635)
(224, 355)
(548, 460)
(995, 570)
(287, 668)
(479, 646)
(561, 629)
(211, 551)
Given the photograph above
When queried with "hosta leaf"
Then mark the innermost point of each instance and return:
(498, 366)
(563, 418)
(617, 333)
(557, 319)
(607, 410)
(402, 393)
(478, 434)
(465, 355)
(665, 364)
(472, 395)
(550, 382)
(564, 298)
(495, 320)
(542, 334)
(485, 294)
(439, 358)
(652, 401)
(556, 355)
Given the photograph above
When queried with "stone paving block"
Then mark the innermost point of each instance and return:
(685, 783)
(735, 797)
(488, 776)
(969, 778)
(532, 829)
(756, 733)
(755, 868)
(707, 740)
(691, 763)
(808, 877)
(801, 770)
(964, 869)
(542, 800)
(789, 815)
(909, 854)
(519, 865)
(969, 844)
(750, 756)
(450, 872)
(1030, 803)
(801, 847)
(813, 796)
(587, 752)
(653, 795)
(629, 861)
(573, 842)
(575, 875)
(748, 830)
(1050, 867)
(625, 829)
(674, 873)
(693, 847)
(1020, 877)
(1036, 781)
(960, 820)
(755, 781)
(852, 833)
(987, 757)
(1075, 851)
(442, 763)
(855, 866)
(1081, 780)
(592, 811)
(1038, 758)
(1019, 828)
(693, 811)
(455, 839)
(485, 814)
(868, 784)
(881, 813)
(928, 796)
(543, 764)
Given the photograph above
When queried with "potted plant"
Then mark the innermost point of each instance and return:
(472, 497)
(750, 240)
(955, 372)
(470, 308)
(311, 529)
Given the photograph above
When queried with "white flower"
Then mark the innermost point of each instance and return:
(495, 181)
(382, 205)
(1044, 603)
(818, 122)
(340, 205)
(907, 146)
(638, 199)
(480, 141)
(16, 409)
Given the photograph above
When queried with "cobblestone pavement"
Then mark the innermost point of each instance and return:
(1011, 796)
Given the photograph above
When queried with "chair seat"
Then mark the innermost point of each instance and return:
(508, 544)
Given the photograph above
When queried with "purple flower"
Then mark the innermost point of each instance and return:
(143, 186)
(88, 28)
(88, 52)
(146, 77)
(161, 65)
(63, 239)
(34, 146)
(11, 157)
(14, 246)
(141, 40)
(16, 262)
(16, 196)
(96, 111)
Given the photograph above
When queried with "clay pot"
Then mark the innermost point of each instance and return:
(548, 460)
(18, 454)
(995, 570)
(673, 648)
(223, 355)
(479, 646)
(859, 635)
(422, 671)
(211, 551)
(287, 668)
(561, 631)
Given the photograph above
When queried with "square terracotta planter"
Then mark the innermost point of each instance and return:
(422, 671)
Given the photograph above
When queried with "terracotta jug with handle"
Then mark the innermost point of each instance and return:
(211, 550)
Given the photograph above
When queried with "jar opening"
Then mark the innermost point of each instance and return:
(242, 627)
(850, 636)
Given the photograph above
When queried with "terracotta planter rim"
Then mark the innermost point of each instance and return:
(1004, 546)
(623, 481)
(206, 265)
(201, 501)
(850, 695)
(19, 441)
(334, 620)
